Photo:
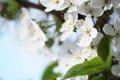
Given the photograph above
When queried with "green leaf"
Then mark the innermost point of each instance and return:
(103, 49)
(49, 74)
(93, 66)
(98, 78)
(11, 10)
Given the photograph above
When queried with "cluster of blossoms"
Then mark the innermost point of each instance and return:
(85, 46)
(89, 38)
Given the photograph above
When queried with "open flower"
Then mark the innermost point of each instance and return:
(68, 26)
(70, 56)
(54, 4)
(86, 9)
(75, 4)
(87, 33)
(91, 51)
(107, 3)
(30, 32)
(113, 31)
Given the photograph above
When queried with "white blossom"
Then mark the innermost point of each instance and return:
(30, 32)
(74, 5)
(113, 31)
(78, 2)
(87, 33)
(108, 4)
(68, 26)
(108, 29)
(54, 4)
(90, 52)
(68, 59)
(86, 9)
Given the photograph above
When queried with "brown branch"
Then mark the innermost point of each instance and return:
(26, 3)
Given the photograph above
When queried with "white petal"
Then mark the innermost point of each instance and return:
(116, 3)
(88, 24)
(50, 8)
(93, 33)
(72, 9)
(108, 29)
(116, 70)
(97, 12)
(45, 2)
(98, 38)
(78, 2)
(71, 16)
(117, 25)
(65, 35)
(84, 41)
(97, 3)
(79, 23)
(117, 41)
(24, 14)
(108, 7)
(117, 10)
(64, 5)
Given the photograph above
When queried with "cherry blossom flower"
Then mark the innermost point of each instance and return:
(86, 9)
(54, 4)
(68, 26)
(113, 31)
(91, 51)
(74, 5)
(107, 3)
(87, 33)
(68, 59)
(30, 31)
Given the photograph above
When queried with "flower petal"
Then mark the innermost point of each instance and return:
(97, 12)
(116, 70)
(84, 41)
(98, 38)
(108, 29)
(65, 35)
(79, 23)
(117, 25)
(93, 33)
(97, 3)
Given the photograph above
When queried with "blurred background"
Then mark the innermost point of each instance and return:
(16, 62)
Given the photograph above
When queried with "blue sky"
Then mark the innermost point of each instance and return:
(15, 63)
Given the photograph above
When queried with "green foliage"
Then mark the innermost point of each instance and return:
(96, 65)
(50, 42)
(12, 9)
(98, 78)
(89, 67)
(103, 49)
(49, 74)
